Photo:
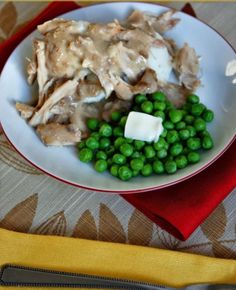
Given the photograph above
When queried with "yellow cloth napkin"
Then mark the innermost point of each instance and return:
(113, 260)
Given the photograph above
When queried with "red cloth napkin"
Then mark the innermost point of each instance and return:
(181, 208)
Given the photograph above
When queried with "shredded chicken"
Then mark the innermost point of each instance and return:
(152, 23)
(43, 114)
(175, 93)
(42, 72)
(186, 64)
(26, 111)
(88, 69)
(58, 135)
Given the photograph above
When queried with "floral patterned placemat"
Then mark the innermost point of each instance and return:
(33, 202)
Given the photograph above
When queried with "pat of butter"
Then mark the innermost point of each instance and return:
(143, 127)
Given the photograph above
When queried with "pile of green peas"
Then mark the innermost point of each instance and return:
(184, 136)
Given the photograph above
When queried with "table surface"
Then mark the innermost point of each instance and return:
(33, 202)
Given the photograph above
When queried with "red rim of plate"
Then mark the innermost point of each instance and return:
(148, 188)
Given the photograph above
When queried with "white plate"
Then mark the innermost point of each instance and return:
(62, 163)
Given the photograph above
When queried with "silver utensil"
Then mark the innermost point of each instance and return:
(13, 275)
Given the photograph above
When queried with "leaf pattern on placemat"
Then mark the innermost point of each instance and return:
(110, 228)
(140, 229)
(20, 218)
(19, 27)
(214, 226)
(8, 18)
(85, 227)
(55, 225)
(10, 157)
(167, 240)
(220, 251)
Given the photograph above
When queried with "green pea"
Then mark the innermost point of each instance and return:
(158, 167)
(192, 131)
(162, 153)
(143, 158)
(95, 135)
(168, 125)
(159, 144)
(149, 152)
(175, 115)
(194, 143)
(147, 107)
(138, 145)
(139, 99)
(207, 142)
(116, 116)
(123, 121)
(118, 132)
(92, 124)
(136, 164)
(172, 136)
(92, 143)
(158, 96)
(105, 130)
(193, 99)
(180, 125)
(146, 170)
(189, 119)
(204, 133)
(197, 109)
(135, 155)
(181, 161)
(135, 173)
(129, 140)
(193, 157)
(184, 134)
(126, 149)
(124, 173)
(104, 143)
(118, 142)
(85, 155)
(101, 155)
(208, 115)
(159, 106)
(160, 114)
(199, 124)
(114, 170)
(166, 146)
(176, 149)
(164, 133)
(119, 159)
(81, 145)
(169, 105)
(100, 165)
(170, 166)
